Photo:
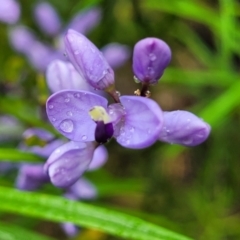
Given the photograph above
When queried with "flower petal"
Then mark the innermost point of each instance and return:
(142, 124)
(68, 111)
(62, 75)
(31, 177)
(83, 189)
(88, 60)
(68, 162)
(100, 157)
(184, 128)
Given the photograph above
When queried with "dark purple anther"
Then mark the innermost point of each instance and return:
(103, 132)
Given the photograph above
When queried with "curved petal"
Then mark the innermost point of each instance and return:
(83, 189)
(184, 128)
(100, 157)
(68, 162)
(88, 60)
(62, 75)
(68, 110)
(31, 177)
(142, 124)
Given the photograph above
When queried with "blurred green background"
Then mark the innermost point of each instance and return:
(193, 191)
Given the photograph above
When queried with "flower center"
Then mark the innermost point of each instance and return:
(104, 129)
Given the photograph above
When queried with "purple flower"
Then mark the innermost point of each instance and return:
(31, 177)
(85, 21)
(136, 121)
(47, 18)
(9, 11)
(62, 75)
(88, 61)
(116, 54)
(150, 58)
(21, 39)
(184, 128)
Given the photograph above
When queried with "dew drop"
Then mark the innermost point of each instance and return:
(111, 112)
(84, 137)
(151, 71)
(53, 119)
(69, 113)
(128, 141)
(76, 52)
(67, 100)
(77, 95)
(188, 120)
(66, 126)
(50, 106)
(132, 129)
(187, 141)
(152, 57)
(118, 93)
(136, 80)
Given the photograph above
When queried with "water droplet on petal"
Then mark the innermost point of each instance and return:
(50, 106)
(187, 141)
(132, 129)
(53, 119)
(188, 120)
(128, 141)
(69, 113)
(136, 79)
(152, 57)
(84, 137)
(67, 100)
(77, 95)
(66, 126)
(151, 71)
(118, 93)
(76, 52)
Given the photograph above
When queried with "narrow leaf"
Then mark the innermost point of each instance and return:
(63, 210)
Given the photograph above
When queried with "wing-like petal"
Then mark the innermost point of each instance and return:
(68, 111)
(142, 124)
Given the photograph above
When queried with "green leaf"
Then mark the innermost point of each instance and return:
(9, 154)
(12, 232)
(62, 210)
(193, 10)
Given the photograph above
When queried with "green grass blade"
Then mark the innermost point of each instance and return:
(62, 210)
(15, 155)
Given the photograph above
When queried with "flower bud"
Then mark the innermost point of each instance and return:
(9, 11)
(47, 18)
(88, 60)
(184, 128)
(150, 57)
(62, 75)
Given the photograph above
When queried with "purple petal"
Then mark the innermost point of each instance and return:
(40, 55)
(68, 162)
(62, 75)
(21, 39)
(184, 128)
(116, 54)
(31, 177)
(38, 132)
(85, 21)
(70, 229)
(47, 18)
(100, 157)
(68, 111)
(83, 189)
(142, 124)
(88, 60)
(9, 11)
(150, 57)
